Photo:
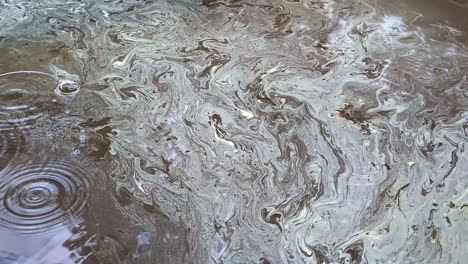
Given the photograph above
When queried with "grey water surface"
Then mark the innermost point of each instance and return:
(233, 131)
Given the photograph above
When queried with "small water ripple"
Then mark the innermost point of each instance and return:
(41, 197)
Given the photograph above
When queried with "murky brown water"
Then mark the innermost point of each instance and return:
(231, 131)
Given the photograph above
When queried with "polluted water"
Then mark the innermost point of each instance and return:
(233, 131)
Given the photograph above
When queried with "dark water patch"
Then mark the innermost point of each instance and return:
(12, 143)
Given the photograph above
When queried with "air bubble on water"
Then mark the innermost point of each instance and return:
(67, 87)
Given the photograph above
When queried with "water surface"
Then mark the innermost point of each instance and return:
(232, 131)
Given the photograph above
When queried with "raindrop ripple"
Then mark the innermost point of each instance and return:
(39, 199)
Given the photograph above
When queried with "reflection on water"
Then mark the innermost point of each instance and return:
(232, 131)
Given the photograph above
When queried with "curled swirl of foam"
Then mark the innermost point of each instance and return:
(40, 198)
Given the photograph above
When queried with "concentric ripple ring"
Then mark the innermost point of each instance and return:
(40, 198)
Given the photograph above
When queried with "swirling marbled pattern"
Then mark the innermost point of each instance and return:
(235, 131)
